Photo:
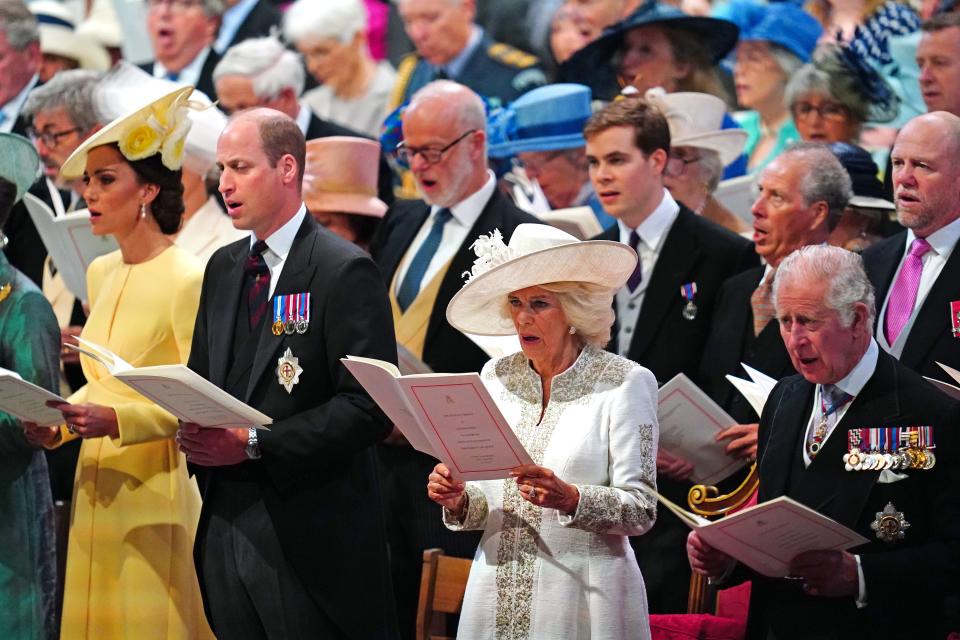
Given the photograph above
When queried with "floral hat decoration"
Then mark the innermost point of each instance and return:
(160, 127)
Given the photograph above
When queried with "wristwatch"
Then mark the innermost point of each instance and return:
(253, 446)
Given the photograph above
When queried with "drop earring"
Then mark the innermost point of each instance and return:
(143, 210)
(572, 330)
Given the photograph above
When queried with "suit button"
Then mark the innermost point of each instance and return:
(631, 306)
(628, 329)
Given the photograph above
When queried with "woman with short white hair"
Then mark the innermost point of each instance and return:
(331, 36)
(555, 559)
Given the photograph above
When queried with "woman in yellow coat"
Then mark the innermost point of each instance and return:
(130, 571)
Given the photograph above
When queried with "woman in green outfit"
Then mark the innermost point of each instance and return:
(29, 345)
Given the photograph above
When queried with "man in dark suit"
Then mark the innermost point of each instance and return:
(665, 311)
(802, 195)
(423, 248)
(291, 540)
(245, 19)
(261, 72)
(182, 36)
(915, 272)
(910, 516)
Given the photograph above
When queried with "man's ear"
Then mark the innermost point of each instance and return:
(289, 169)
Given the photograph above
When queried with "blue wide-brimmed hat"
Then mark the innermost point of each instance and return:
(719, 36)
(868, 192)
(545, 119)
(786, 25)
(19, 162)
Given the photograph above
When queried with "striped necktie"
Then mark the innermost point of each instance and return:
(410, 286)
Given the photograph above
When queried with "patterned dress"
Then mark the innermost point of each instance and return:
(539, 573)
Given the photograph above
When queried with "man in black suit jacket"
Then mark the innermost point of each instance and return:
(925, 174)
(846, 383)
(744, 328)
(250, 66)
(445, 143)
(665, 311)
(291, 540)
(245, 19)
(182, 39)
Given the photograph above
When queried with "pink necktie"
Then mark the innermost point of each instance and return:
(904, 293)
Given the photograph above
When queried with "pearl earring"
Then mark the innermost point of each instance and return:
(572, 330)
(143, 210)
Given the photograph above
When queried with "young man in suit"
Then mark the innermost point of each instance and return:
(665, 311)
(423, 248)
(182, 34)
(281, 507)
(894, 585)
(915, 272)
(802, 194)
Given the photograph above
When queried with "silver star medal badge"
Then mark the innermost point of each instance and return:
(890, 525)
(288, 370)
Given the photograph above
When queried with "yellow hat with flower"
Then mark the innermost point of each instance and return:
(160, 127)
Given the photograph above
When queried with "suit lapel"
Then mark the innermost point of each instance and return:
(226, 297)
(678, 255)
(933, 318)
(788, 421)
(406, 231)
(295, 277)
(882, 265)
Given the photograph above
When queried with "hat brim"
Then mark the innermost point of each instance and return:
(64, 42)
(19, 162)
(728, 143)
(350, 203)
(550, 143)
(478, 307)
(74, 166)
(866, 202)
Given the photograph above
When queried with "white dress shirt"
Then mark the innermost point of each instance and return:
(465, 215)
(11, 110)
(455, 66)
(652, 232)
(279, 244)
(942, 243)
(230, 23)
(190, 74)
(303, 117)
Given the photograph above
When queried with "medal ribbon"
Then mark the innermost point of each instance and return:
(289, 314)
(688, 290)
(277, 308)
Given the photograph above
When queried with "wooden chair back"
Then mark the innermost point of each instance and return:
(442, 584)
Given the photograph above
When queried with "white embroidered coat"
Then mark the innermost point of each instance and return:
(541, 574)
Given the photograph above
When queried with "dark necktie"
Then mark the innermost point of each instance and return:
(637, 276)
(410, 286)
(258, 282)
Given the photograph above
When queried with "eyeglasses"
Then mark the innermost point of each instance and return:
(677, 166)
(430, 155)
(177, 6)
(827, 111)
(50, 139)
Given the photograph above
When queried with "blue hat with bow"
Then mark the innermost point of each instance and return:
(787, 25)
(545, 119)
(19, 162)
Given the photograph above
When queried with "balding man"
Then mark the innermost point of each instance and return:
(802, 195)
(422, 250)
(852, 398)
(916, 272)
(449, 45)
(282, 507)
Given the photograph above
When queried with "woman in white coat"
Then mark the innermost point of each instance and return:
(554, 560)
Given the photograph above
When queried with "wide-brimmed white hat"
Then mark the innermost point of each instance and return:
(695, 120)
(19, 162)
(537, 254)
(58, 36)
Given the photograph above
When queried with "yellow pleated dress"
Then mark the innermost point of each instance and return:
(130, 571)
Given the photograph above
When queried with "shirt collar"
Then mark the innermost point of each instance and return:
(657, 224)
(469, 209)
(230, 23)
(854, 381)
(459, 61)
(281, 240)
(12, 108)
(303, 117)
(190, 74)
(942, 240)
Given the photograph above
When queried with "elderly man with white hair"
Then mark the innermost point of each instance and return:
(261, 72)
(331, 37)
(865, 441)
(182, 34)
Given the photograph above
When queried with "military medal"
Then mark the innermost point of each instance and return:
(288, 370)
(303, 313)
(852, 459)
(890, 525)
(955, 318)
(290, 317)
(688, 291)
(277, 326)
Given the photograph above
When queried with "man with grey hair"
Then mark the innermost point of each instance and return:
(802, 194)
(182, 34)
(19, 63)
(851, 402)
(422, 249)
(449, 45)
(916, 271)
(261, 72)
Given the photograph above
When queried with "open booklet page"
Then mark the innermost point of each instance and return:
(182, 392)
(27, 401)
(689, 423)
(451, 417)
(767, 536)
